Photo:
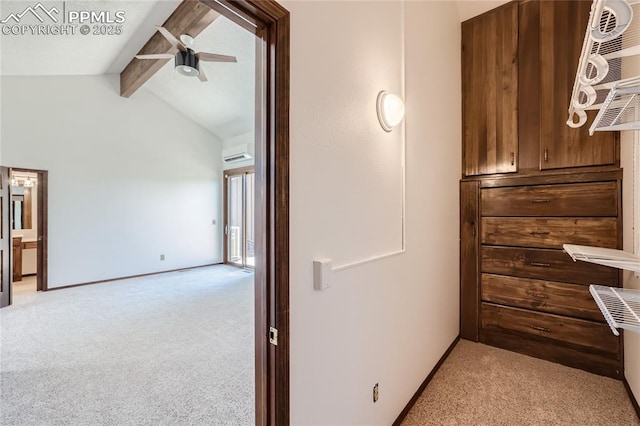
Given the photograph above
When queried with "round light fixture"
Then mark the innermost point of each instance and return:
(390, 110)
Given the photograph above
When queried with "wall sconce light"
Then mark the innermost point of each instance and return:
(28, 183)
(14, 181)
(390, 110)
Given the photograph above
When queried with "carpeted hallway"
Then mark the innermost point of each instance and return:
(482, 385)
(175, 348)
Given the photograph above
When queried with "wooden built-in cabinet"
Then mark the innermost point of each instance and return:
(519, 289)
(518, 67)
(490, 87)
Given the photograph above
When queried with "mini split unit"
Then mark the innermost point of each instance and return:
(237, 153)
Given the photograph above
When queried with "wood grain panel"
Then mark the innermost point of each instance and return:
(588, 199)
(550, 232)
(190, 17)
(469, 268)
(26, 245)
(547, 296)
(544, 264)
(529, 86)
(490, 88)
(562, 26)
(601, 363)
(555, 327)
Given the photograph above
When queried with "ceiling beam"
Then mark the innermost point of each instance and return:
(190, 17)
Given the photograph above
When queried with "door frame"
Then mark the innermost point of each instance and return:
(240, 171)
(42, 204)
(270, 22)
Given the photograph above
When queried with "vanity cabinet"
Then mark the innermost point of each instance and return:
(17, 259)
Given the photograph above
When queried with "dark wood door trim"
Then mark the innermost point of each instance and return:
(5, 238)
(270, 21)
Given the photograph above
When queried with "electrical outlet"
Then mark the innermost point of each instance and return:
(162, 257)
(376, 394)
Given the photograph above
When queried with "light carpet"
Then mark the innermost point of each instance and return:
(483, 385)
(169, 349)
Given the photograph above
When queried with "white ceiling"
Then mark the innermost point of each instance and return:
(467, 9)
(225, 105)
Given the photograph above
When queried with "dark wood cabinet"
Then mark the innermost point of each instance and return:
(490, 92)
(562, 28)
(528, 290)
(17, 259)
(518, 67)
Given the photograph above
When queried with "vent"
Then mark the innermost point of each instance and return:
(237, 153)
(239, 157)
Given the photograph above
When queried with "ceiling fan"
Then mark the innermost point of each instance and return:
(187, 60)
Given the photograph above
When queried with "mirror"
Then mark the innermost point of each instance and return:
(21, 206)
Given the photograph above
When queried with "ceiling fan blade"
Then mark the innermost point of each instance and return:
(156, 56)
(202, 76)
(171, 38)
(213, 57)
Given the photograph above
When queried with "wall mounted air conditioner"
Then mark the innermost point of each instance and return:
(237, 153)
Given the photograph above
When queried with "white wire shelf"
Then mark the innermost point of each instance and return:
(608, 68)
(619, 306)
(604, 256)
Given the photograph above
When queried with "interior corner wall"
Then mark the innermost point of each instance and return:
(387, 321)
(631, 340)
(129, 178)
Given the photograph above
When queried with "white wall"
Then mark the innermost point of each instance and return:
(631, 340)
(129, 179)
(385, 322)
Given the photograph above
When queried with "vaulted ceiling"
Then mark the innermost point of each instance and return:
(224, 105)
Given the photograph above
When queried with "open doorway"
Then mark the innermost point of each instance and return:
(239, 235)
(27, 226)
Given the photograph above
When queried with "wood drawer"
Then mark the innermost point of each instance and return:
(580, 199)
(29, 245)
(544, 264)
(555, 327)
(550, 232)
(547, 296)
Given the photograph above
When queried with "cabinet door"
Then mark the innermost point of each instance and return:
(562, 29)
(490, 90)
(469, 260)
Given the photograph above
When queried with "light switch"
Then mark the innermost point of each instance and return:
(322, 274)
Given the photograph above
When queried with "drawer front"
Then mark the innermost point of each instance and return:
(579, 332)
(544, 264)
(550, 232)
(580, 199)
(547, 296)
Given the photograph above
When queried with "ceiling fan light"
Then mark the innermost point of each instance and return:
(187, 63)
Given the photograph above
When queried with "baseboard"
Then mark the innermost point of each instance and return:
(130, 277)
(424, 384)
(632, 397)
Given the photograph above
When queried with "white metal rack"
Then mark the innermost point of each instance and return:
(608, 68)
(620, 307)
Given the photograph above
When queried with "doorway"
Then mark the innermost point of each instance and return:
(239, 229)
(24, 232)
